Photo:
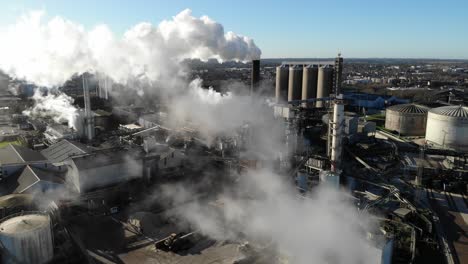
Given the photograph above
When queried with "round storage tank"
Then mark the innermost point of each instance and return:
(447, 127)
(27, 239)
(295, 83)
(282, 82)
(324, 84)
(407, 119)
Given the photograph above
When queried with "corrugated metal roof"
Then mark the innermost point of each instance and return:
(28, 177)
(452, 111)
(65, 149)
(409, 108)
(17, 154)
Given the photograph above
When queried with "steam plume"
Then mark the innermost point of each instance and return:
(57, 106)
(48, 53)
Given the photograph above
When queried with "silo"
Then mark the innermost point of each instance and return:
(27, 238)
(282, 82)
(324, 83)
(406, 119)
(309, 82)
(295, 83)
(447, 127)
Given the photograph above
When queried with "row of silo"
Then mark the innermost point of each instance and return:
(445, 127)
(302, 82)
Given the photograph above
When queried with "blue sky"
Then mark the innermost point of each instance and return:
(293, 28)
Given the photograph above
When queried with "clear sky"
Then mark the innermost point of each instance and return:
(292, 28)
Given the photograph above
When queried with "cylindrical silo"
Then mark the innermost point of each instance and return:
(295, 83)
(447, 127)
(309, 82)
(324, 84)
(282, 82)
(407, 119)
(27, 239)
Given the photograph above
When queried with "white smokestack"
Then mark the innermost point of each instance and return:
(337, 133)
(89, 118)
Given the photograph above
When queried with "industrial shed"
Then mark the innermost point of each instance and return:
(103, 168)
(65, 149)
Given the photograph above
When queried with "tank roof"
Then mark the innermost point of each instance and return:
(23, 223)
(452, 111)
(409, 108)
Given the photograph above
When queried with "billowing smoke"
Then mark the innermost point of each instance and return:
(323, 228)
(48, 53)
(57, 106)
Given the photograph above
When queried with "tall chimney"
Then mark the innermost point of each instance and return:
(88, 119)
(255, 76)
(337, 133)
(337, 78)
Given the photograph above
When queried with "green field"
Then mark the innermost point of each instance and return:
(5, 143)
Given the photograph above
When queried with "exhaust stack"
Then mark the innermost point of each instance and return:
(88, 118)
(255, 76)
(337, 134)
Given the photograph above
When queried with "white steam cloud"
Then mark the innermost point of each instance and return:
(324, 228)
(48, 53)
(57, 106)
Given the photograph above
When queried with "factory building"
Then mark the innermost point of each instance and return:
(103, 168)
(447, 127)
(407, 119)
(152, 120)
(56, 132)
(27, 238)
(102, 120)
(26, 171)
(64, 150)
(372, 102)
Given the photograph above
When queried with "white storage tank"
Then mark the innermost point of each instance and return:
(407, 119)
(27, 238)
(447, 127)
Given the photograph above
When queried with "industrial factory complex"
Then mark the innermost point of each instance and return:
(89, 189)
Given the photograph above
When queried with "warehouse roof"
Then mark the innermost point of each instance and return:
(65, 149)
(17, 154)
(106, 157)
(28, 177)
